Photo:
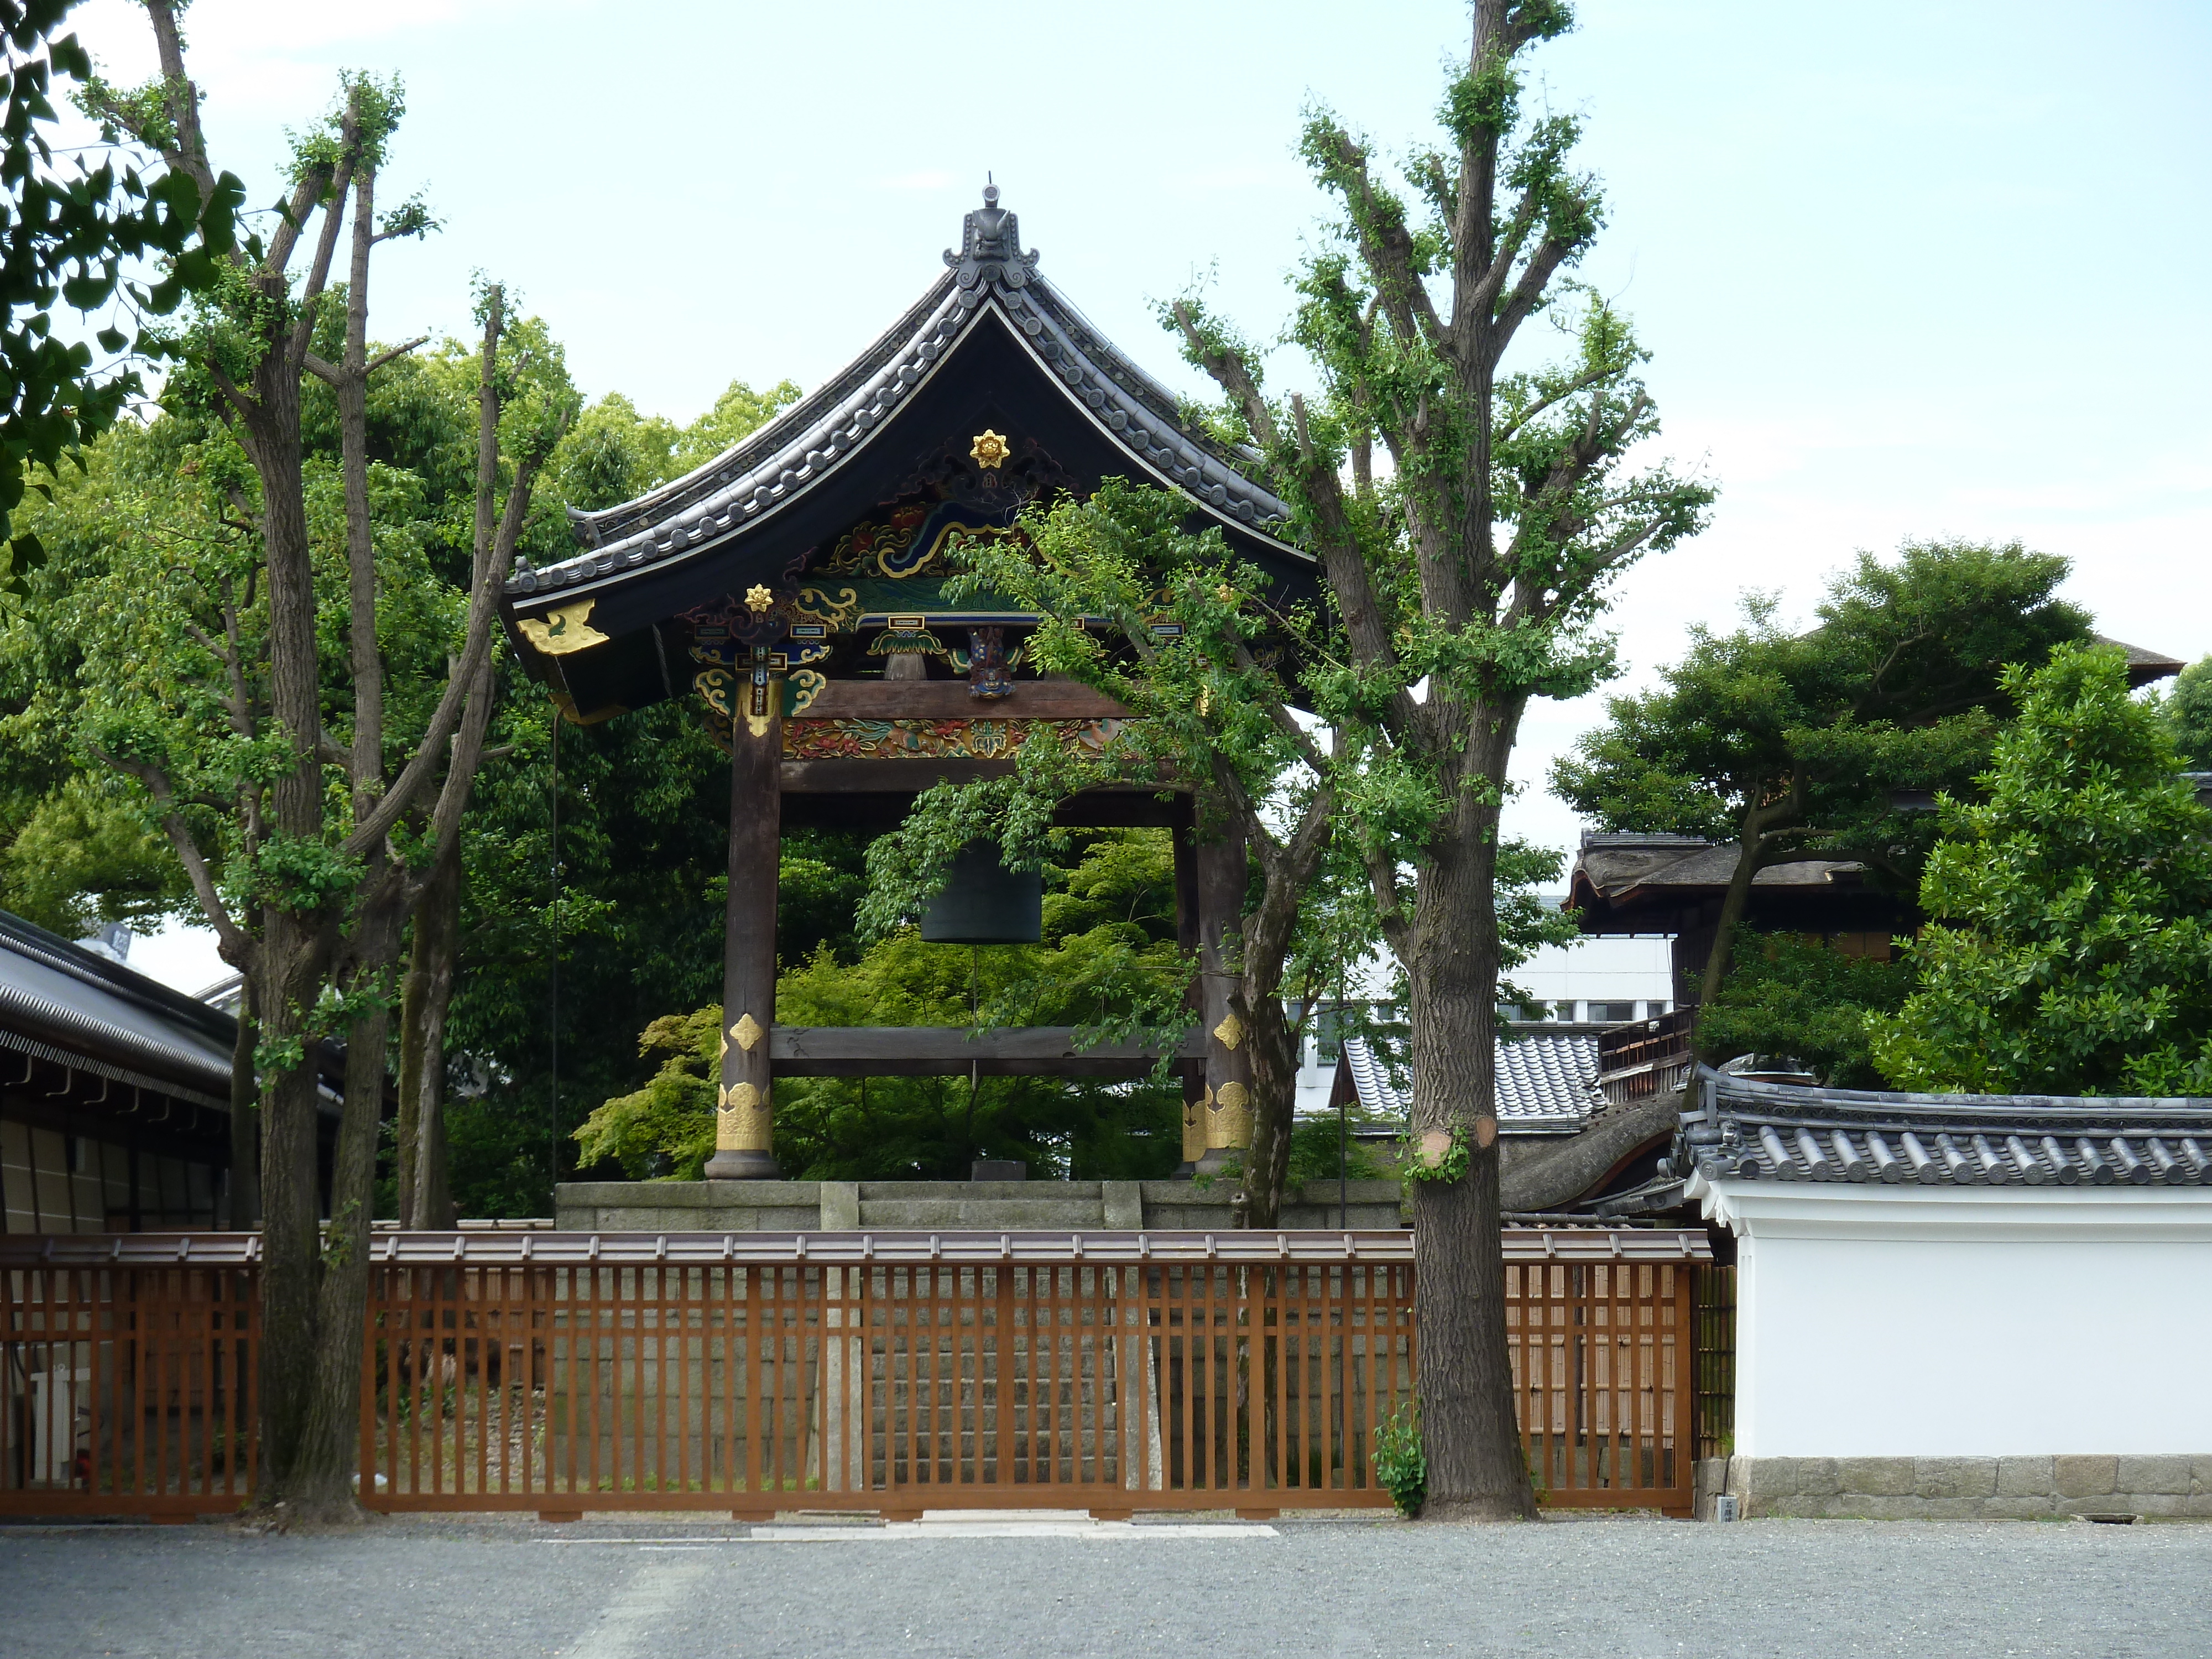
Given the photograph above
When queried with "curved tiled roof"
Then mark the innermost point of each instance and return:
(1546, 1080)
(1744, 1130)
(810, 440)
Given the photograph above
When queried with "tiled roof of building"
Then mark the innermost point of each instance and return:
(1546, 1080)
(1734, 1129)
(59, 999)
(812, 439)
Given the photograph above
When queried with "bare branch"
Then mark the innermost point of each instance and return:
(1536, 275)
(1582, 382)
(424, 763)
(321, 367)
(238, 947)
(383, 357)
(180, 101)
(233, 394)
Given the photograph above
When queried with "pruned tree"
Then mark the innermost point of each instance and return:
(1468, 565)
(340, 826)
(1796, 745)
(1219, 673)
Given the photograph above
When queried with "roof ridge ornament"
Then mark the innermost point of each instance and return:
(991, 246)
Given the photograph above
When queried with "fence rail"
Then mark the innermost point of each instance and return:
(894, 1372)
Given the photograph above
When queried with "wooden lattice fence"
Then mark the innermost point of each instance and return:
(749, 1373)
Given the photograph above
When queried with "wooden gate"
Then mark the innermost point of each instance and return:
(888, 1372)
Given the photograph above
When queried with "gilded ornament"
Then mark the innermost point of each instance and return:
(989, 450)
(758, 598)
(805, 686)
(747, 1033)
(1231, 1033)
(738, 1098)
(559, 632)
(1230, 1096)
(758, 724)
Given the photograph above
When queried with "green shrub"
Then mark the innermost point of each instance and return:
(1399, 1463)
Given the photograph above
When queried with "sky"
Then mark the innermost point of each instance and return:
(1905, 270)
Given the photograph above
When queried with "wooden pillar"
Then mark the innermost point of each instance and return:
(1187, 941)
(1222, 874)
(745, 1115)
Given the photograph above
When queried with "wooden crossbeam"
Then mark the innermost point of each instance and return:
(950, 700)
(953, 1050)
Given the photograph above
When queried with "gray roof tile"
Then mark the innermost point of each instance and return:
(1735, 1128)
(1546, 1081)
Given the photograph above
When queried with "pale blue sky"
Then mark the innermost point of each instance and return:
(1905, 270)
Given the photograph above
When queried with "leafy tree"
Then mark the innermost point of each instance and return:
(552, 981)
(305, 829)
(1793, 996)
(64, 239)
(1468, 578)
(2070, 949)
(1792, 745)
(2187, 707)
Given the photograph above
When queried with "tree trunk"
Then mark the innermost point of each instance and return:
(321, 1481)
(244, 1118)
(298, 943)
(1274, 1071)
(1469, 1428)
(1757, 822)
(291, 1204)
(425, 1200)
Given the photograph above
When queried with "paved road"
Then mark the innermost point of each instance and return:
(1622, 1590)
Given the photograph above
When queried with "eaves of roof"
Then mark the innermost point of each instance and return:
(1734, 1129)
(813, 440)
(52, 992)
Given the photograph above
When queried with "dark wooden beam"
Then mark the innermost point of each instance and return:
(876, 811)
(848, 776)
(954, 1050)
(950, 700)
(862, 793)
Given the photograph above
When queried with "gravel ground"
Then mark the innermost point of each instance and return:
(645, 1589)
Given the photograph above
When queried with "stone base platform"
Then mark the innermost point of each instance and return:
(1959, 1488)
(741, 1207)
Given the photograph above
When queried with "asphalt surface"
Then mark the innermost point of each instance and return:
(611, 1589)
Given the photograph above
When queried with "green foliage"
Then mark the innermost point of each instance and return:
(2069, 950)
(1108, 923)
(1798, 740)
(1789, 995)
(1319, 1154)
(2186, 708)
(1401, 1466)
(734, 417)
(64, 239)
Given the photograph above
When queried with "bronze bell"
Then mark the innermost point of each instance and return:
(983, 902)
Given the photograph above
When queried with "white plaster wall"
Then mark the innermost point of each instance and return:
(1887, 1322)
(1599, 969)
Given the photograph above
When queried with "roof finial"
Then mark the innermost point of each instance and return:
(990, 244)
